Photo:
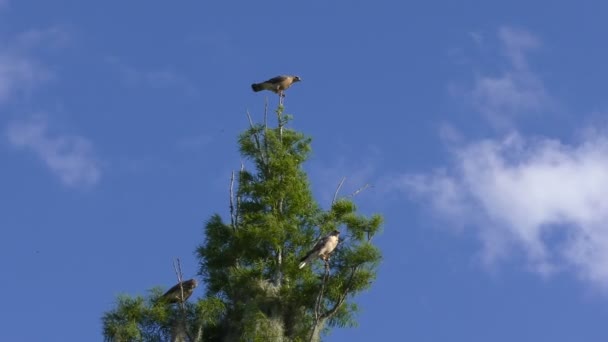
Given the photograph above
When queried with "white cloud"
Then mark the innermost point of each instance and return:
(159, 78)
(511, 94)
(518, 90)
(194, 142)
(477, 37)
(51, 37)
(18, 73)
(539, 196)
(516, 44)
(19, 70)
(69, 157)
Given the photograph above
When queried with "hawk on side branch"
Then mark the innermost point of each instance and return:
(276, 84)
(322, 249)
(174, 295)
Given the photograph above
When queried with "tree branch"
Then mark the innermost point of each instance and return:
(338, 190)
(342, 297)
(177, 266)
(317, 311)
(266, 112)
(256, 139)
(232, 210)
(238, 198)
(360, 189)
(279, 113)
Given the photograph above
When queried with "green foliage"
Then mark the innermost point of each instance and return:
(140, 319)
(254, 289)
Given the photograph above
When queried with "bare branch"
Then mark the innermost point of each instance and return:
(338, 190)
(280, 122)
(343, 296)
(177, 266)
(249, 117)
(266, 112)
(361, 189)
(238, 199)
(232, 211)
(319, 301)
(199, 333)
(256, 138)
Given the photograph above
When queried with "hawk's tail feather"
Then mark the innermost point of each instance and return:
(304, 260)
(257, 87)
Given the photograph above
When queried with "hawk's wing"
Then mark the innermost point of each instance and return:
(322, 243)
(277, 79)
(174, 294)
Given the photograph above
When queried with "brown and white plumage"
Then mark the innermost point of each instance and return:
(276, 84)
(174, 295)
(322, 249)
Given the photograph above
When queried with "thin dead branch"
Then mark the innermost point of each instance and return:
(232, 209)
(177, 266)
(238, 199)
(266, 112)
(319, 302)
(361, 189)
(256, 139)
(343, 296)
(338, 190)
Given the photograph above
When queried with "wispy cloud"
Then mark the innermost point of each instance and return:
(537, 195)
(194, 142)
(20, 71)
(517, 43)
(517, 90)
(539, 198)
(69, 157)
(159, 78)
(52, 37)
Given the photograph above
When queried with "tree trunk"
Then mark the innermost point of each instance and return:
(315, 334)
(179, 332)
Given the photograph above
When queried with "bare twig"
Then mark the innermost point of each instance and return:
(278, 278)
(319, 301)
(256, 138)
(177, 266)
(338, 190)
(238, 199)
(266, 126)
(199, 334)
(266, 112)
(232, 212)
(249, 117)
(360, 189)
(343, 296)
(280, 122)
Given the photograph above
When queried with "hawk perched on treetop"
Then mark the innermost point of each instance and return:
(276, 84)
(322, 249)
(174, 295)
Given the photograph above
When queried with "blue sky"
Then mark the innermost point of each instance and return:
(481, 126)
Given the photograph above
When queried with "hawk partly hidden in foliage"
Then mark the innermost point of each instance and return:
(322, 249)
(174, 295)
(276, 84)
